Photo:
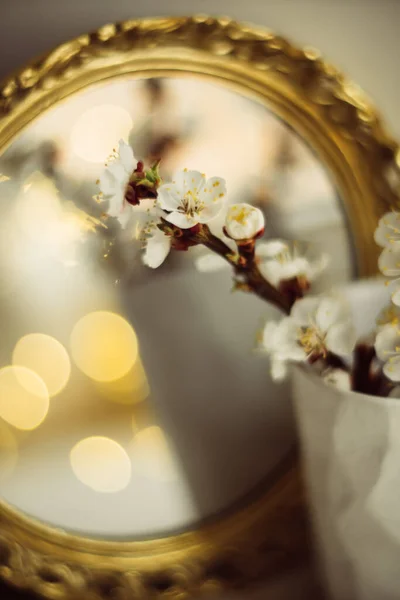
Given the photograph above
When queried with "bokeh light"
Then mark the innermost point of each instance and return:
(45, 356)
(8, 451)
(98, 130)
(44, 221)
(101, 464)
(151, 455)
(38, 208)
(104, 346)
(24, 400)
(132, 388)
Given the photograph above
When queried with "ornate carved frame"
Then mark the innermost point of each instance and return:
(341, 125)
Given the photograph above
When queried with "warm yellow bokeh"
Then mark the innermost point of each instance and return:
(47, 227)
(104, 346)
(98, 130)
(8, 451)
(132, 388)
(151, 455)
(101, 464)
(24, 400)
(45, 356)
(39, 210)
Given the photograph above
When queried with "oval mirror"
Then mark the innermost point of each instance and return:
(134, 416)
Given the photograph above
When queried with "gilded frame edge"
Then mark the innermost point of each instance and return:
(343, 126)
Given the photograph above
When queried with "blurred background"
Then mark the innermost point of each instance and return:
(163, 442)
(84, 320)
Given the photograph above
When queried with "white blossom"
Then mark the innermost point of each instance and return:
(388, 230)
(278, 261)
(157, 247)
(114, 180)
(387, 347)
(315, 327)
(278, 339)
(244, 222)
(339, 378)
(210, 263)
(191, 198)
(390, 315)
(389, 265)
(155, 243)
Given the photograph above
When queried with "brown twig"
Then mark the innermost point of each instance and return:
(246, 269)
(363, 378)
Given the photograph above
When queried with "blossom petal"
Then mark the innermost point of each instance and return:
(216, 225)
(341, 338)
(113, 179)
(287, 340)
(390, 315)
(331, 311)
(209, 212)
(124, 215)
(278, 369)
(213, 190)
(272, 271)
(186, 181)
(298, 267)
(284, 267)
(388, 230)
(386, 341)
(339, 379)
(279, 339)
(126, 156)
(107, 183)
(271, 248)
(389, 261)
(157, 249)
(276, 271)
(168, 197)
(269, 336)
(182, 220)
(117, 206)
(316, 267)
(305, 310)
(210, 263)
(392, 368)
(396, 297)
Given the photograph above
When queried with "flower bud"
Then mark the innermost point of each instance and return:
(244, 222)
(143, 184)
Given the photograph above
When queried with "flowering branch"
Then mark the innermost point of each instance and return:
(315, 329)
(248, 275)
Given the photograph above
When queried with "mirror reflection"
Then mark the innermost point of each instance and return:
(131, 401)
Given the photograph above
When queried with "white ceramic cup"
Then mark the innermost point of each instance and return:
(350, 446)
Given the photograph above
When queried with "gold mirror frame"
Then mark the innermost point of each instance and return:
(343, 128)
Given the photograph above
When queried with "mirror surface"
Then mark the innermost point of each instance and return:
(131, 403)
